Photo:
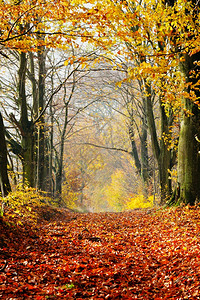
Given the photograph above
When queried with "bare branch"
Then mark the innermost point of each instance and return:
(108, 148)
(54, 93)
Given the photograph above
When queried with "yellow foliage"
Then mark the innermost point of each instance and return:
(69, 196)
(114, 192)
(139, 201)
(22, 204)
(71, 188)
(173, 175)
(117, 195)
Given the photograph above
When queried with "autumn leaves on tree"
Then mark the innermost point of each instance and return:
(49, 47)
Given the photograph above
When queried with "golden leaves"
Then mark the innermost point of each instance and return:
(59, 21)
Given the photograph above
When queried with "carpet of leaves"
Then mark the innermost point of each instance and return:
(132, 255)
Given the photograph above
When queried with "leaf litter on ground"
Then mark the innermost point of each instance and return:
(141, 254)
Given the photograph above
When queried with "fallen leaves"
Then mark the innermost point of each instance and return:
(131, 255)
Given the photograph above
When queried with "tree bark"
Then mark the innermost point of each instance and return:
(145, 170)
(189, 146)
(60, 156)
(4, 180)
(59, 171)
(188, 186)
(25, 126)
(41, 124)
(165, 161)
(160, 150)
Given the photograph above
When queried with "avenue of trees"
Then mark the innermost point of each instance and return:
(100, 100)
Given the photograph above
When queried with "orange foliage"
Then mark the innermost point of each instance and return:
(137, 255)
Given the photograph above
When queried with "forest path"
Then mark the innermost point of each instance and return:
(130, 255)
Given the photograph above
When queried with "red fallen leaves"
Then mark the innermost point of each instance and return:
(132, 255)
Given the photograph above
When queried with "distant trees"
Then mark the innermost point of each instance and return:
(44, 95)
(42, 115)
(30, 29)
(161, 39)
(146, 122)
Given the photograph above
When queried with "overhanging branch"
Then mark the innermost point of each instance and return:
(108, 148)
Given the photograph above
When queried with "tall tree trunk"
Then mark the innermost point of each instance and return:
(26, 126)
(134, 151)
(51, 137)
(4, 181)
(41, 124)
(188, 189)
(60, 156)
(160, 150)
(141, 163)
(145, 171)
(59, 172)
(165, 157)
(189, 146)
(59, 180)
(31, 75)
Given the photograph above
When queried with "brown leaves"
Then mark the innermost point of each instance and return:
(133, 255)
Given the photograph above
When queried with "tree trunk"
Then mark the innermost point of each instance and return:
(4, 181)
(145, 171)
(28, 158)
(59, 172)
(160, 150)
(134, 151)
(188, 187)
(26, 127)
(189, 146)
(51, 137)
(60, 156)
(41, 124)
(142, 164)
(59, 181)
(164, 158)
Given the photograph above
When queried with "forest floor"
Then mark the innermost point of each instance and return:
(152, 254)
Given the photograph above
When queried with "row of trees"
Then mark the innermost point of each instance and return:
(161, 39)
(139, 61)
